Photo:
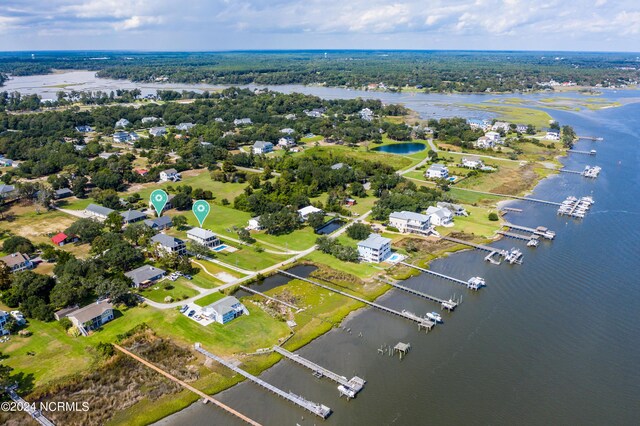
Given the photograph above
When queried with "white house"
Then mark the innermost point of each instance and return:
(287, 131)
(92, 316)
(225, 310)
(121, 137)
(254, 224)
(185, 127)
(472, 162)
(366, 114)
(4, 319)
(552, 135)
(169, 175)
(262, 147)
(437, 171)
(440, 216)
(375, 249)
(522, 128)
(147, 120)
(407, 222)
(203, 237)
(456, 209)
(306, 211)
(484, 142)
(168, 244)
(123, 122)
(97, 211)
(241, 121)
(493, 136)
(286, 142)
(501, 125)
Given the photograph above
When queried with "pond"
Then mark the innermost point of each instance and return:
(401, 148)
(329, 227)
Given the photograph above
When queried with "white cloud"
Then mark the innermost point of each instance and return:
(136, 22)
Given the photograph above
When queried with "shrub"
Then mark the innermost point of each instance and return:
(65, 323)
(493, 216)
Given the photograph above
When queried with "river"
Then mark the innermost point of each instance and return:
(553, 341)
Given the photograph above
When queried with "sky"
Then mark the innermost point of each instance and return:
(577, 25)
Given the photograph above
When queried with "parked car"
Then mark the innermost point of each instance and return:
(189, 277)
(184, 309)
(191, 313)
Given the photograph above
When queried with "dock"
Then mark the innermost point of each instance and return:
(252, 291)
(591, 138)
(575, 207)
(204, 396)
(474, 283)
(348, 388)
(518, 236)
(27, 407)
(540, 230)
(422, 322)
(511, 209)
(575, 151)
(515, 197)
(450, 304)
(319, 410)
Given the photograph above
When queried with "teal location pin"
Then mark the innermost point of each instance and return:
(201, 210)
(159, 199)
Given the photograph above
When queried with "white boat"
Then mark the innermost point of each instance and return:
(434, 316)
(532, 243)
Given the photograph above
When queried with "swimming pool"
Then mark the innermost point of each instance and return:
(394, 258)
(219, 248)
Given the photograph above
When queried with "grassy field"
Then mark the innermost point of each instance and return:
(360, 153)
(361, 270)
(177, 290)
(300, 239)
(209, 299)
(515, 114)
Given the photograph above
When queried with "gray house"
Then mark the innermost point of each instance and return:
(132, 216)
(145, 275)
(159, 223)
(168, 244)
(97, 211)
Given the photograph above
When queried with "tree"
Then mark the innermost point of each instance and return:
(138, 234)
(245, 236)
(17, 244)
(254, 181)
(179, 221)
(114, 221)
(182, 201)
(86, 229)
(281, 222)
(315, 219)
(199, 250)
(357, 190)
(5, 276)
(359, 231)
(79, 185)
(493, 216)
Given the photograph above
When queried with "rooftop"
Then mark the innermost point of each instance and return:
(166, 240)
(144, 273)
(405, 215)
(375, 242)
(14, 259)
(201, 233)
(100, 210)
(91, 311)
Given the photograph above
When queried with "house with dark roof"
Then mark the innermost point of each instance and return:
(145, 275)
(168, 244)
(132, 216)
(159, 223)
(97, 211)
(62, 193)
(84, 129)
(92, 317)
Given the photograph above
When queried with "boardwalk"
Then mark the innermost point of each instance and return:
(444, 304)
(28, 408)
(353, 386)
(188, 386)
(422, 322)
(313, 407)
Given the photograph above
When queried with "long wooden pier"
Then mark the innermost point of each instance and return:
(349, 388)
(474, 283)
(28, 408)
(515, 197)
(319, 410)
(575, 151)
(187, 386)
(575, 172)
(472, 244)
(540, 230)
(591, 138)
(517, 236)
(282, 302)
(422, 322)
(444, 304)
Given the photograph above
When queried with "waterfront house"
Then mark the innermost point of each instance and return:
(254, 224)
(366, 114)
(501, 125)
(410, 222)
(169, 175)
(306, 211)
(262, 147)
(158, 131)
(374, 249)
(159, 223)
(132, 216)
(437, 171)
(286, 142)
(92, 316)
(494, 137)
(17, 262)
(472, 162)
(122, 123)
(241, 121)
(145, 275)
(167, 244)
(552, 135)
(440, 216)
(97, 211)
(203, 237)
(225, 310)
(456, 209)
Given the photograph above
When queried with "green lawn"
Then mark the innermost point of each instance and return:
(361, 270)
(516, 114)
(209, 299)
(396, 161)
(248, 258)
(300, 239)
(178, 290)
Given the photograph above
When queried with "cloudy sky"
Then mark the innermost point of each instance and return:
(596, 25)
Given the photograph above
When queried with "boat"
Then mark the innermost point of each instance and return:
(434, 316)
(532, 243)
(514, 256)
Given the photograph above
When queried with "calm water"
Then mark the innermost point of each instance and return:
(553, 341)
(401, 148)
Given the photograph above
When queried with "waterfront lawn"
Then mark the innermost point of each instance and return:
(362, 270)
(473, 198)
(360, 153)
(477, 223)
(249, 259)
(178, 290)
(209, 299)
(515, 114)
(300, 239)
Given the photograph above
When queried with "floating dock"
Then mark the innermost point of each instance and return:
(422, 322)
(319, 410)
(473, 283)
(252, 291)
(348, 388)
(27, 407)
(575, 207)
(450, 304)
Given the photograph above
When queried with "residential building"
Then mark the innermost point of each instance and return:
(122, 137)
(437, 171)
(366, 114)
(254, 224)
(92, 316)
(218, 120)
(123, 122)
(375, 249)
(315, 113)
(521, 128)
(169, 244)
(17, 262)
(4, 319)
(552, 135)
(145, 275)
(241, 121)
(494, 137)
(306, 211)
(440, 216)
(167, 206)
(472, 162)
(97, 211)
(147, 120)
(484, 142)
(169, 175)
(456, 209)
(185, 127)
(62, 239)
(286, 142)
(225, 310)
(158, 131)
(7, 190)
(203, 237)
(132, 216)
(290, 116)
(159, 223)
(339, 166)
(501, 125)
(410, 222)
(262, 147)
(287, 131)
(84, 129)
(63, 313)
(7, 162)
(62, 193)
(18, 317)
